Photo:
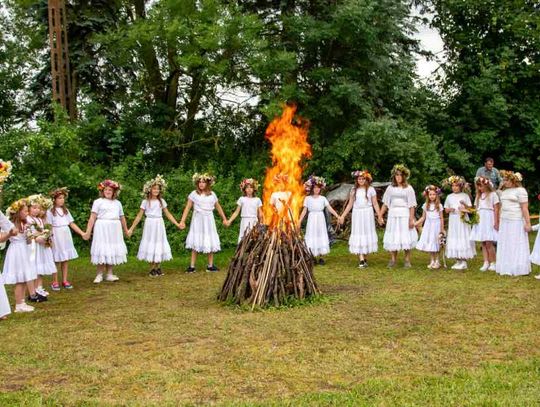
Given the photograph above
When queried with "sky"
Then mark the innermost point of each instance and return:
(431, 41)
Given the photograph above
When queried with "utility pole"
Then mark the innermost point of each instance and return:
(60, 70)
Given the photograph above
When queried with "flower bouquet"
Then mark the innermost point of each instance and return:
(470, 216)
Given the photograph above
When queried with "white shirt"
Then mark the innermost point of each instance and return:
(511, 200)
(107, 209)
(433, 212)
(250, 206)
(153, 208)
(316, 204)
(488, 201)
(454, 201)
(399, 200)
(5, 224)
(203, 203)
(59, 220)
(363, 198)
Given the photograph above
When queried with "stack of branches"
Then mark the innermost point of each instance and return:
(270, 266)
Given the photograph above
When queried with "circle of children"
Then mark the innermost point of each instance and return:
(39, 228)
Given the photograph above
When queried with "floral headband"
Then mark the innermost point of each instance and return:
(59, 191)
(511, 175)
(252, 182)
(483, 181)
(5, 170)
(434, 188)
(206, 177)
(16, 206)
(456, 179)
(110, 184)
(402, 169)
(362, 173)
(41, 200)
(159, 180)
(313, 181)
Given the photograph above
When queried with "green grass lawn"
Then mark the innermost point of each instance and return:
(379, 337)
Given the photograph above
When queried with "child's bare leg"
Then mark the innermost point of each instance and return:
(64, 266)
(193, 258)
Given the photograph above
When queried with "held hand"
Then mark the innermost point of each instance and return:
(496, 227)
(182, 225)
(411, 223)
(226, 223)
(13, 232)
(528, 228)
(85, 236)
(381, 220)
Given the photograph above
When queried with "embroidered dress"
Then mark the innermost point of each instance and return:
(108, 246)
(203, 236)
(249, 213)
(63, 248)
(458, 241)
(429, 239)
(154, 246)
(363, 238)
(398, 235)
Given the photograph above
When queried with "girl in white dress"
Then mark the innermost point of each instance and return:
(8, 230)
(515, 223)
(458, 242)
(432, 221)
(316, 236)
(107, 221)
(154, 247)
(363, 239)
(400, 201)
(487, 203)
(249, 207)
(535, 254)
(17, 267)
(39, 233)
(202, 236)
(62, 242)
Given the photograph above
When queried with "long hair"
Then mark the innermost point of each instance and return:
(15, 218)
(206, 191)
(63, 207)
(427, 190)
(356, 187)
(489, 189)
(159, 197)
(405, 180)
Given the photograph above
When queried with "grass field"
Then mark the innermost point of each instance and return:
(378, 337)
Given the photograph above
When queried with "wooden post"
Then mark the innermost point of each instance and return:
(60, 69)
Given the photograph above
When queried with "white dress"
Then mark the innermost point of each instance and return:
(41, 256)
(513, 257)
(316, 237)
(363, 238)
(62, 241)
(5, 308)
(108, 245)
(485, 230)
(17, 266)
(535, 254)
(154, 247)
(398, 235)
(203, 236)
(429, 239)
(249, 213)
(458, 241)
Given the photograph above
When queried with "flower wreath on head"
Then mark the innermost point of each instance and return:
(313, 181)
(456, 179)
(159, 180)
(511, 175)
(362, 173)
(109, 183)
(59, 191)
(5, 170)
(249, 182)
(428, 188)
(16, 206)
(401, 168)
(483, 181)
(206, 177)
(41, 200)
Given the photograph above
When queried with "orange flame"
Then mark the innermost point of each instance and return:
(283, 186)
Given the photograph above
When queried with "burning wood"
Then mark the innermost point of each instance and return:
(270, 266)
(272, 263)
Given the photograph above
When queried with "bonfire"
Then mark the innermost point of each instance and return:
(272, 264)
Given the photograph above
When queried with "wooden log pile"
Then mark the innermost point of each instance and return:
(270, 266)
